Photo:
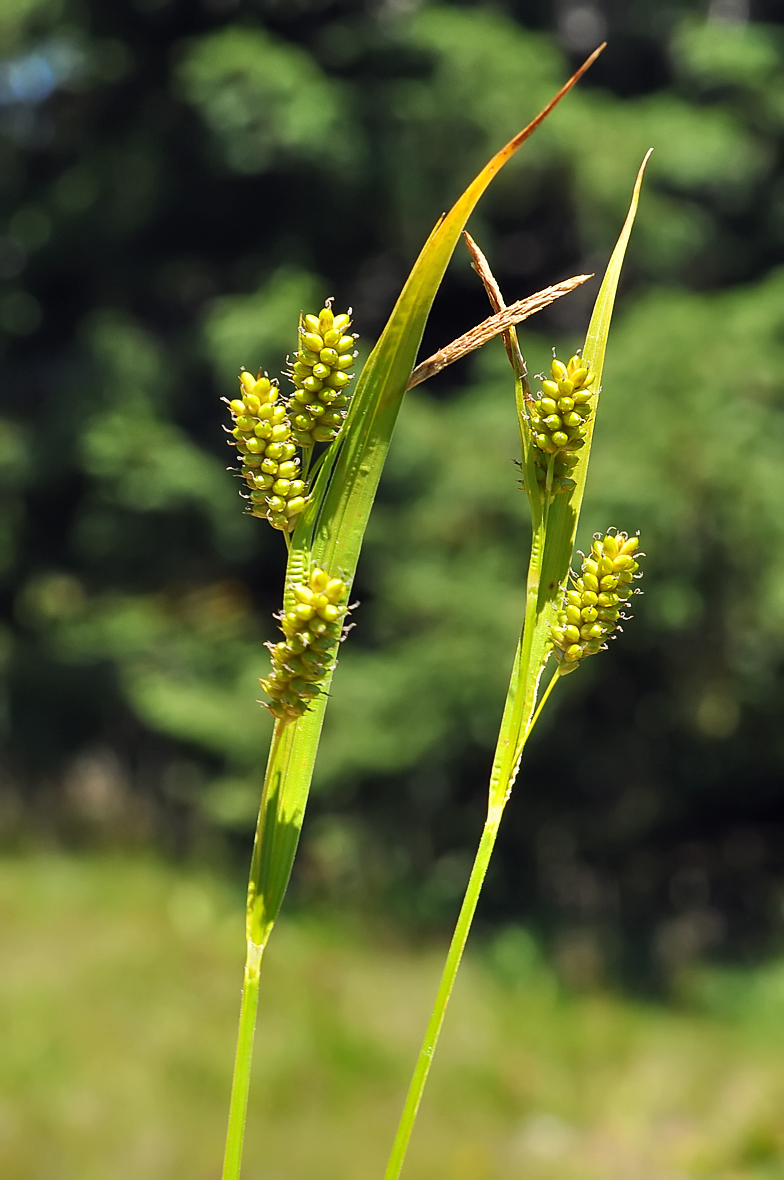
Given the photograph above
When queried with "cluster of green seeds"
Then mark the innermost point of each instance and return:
(270, 465)
(320, 374)
(592, 607)
(558, 420)
(303, 659)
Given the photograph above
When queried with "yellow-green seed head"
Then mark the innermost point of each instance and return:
(321, 373)
(312, 628)
(270, 465)
(592, 605)
(559, 420)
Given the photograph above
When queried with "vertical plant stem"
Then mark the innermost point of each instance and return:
(242, 1063)
(456, 948)
(521, 697)
(518, 721)
(240, 1085)
(499, 798)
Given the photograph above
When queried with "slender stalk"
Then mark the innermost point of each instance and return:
(548, 489)
(242, 1064)
(521, 697)
(495, 813)
(456, 948)
(518, 721)
(240, 1086)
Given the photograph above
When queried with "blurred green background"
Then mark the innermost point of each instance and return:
(178, 179)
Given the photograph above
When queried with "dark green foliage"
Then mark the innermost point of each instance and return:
(201, 174)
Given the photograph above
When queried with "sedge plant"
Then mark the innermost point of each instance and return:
(311, 463)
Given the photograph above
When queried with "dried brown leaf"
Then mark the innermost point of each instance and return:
(494, 326)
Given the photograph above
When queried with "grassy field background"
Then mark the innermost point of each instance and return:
(118, 1004)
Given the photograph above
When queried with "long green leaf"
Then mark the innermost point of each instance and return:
(566, 509)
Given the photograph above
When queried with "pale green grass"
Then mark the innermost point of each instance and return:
(118, 1008)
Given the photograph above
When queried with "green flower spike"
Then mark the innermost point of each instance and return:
(562, 408)
(301, 662)
(321, 376)
(270, 465)
(592, 608)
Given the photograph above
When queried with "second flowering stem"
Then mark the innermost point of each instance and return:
(448, 976)
(555, 433)
(519, 717)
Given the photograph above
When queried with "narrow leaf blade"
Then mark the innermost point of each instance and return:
(346, 488)
(565, 511)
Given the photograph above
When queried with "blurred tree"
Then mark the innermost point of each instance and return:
(176, 182)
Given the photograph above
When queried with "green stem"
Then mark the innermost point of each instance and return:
(240, 1085)
(548, 489)
(456, 948)
(256, 940)
(516, 726)
(521, 697)
(499, 794)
